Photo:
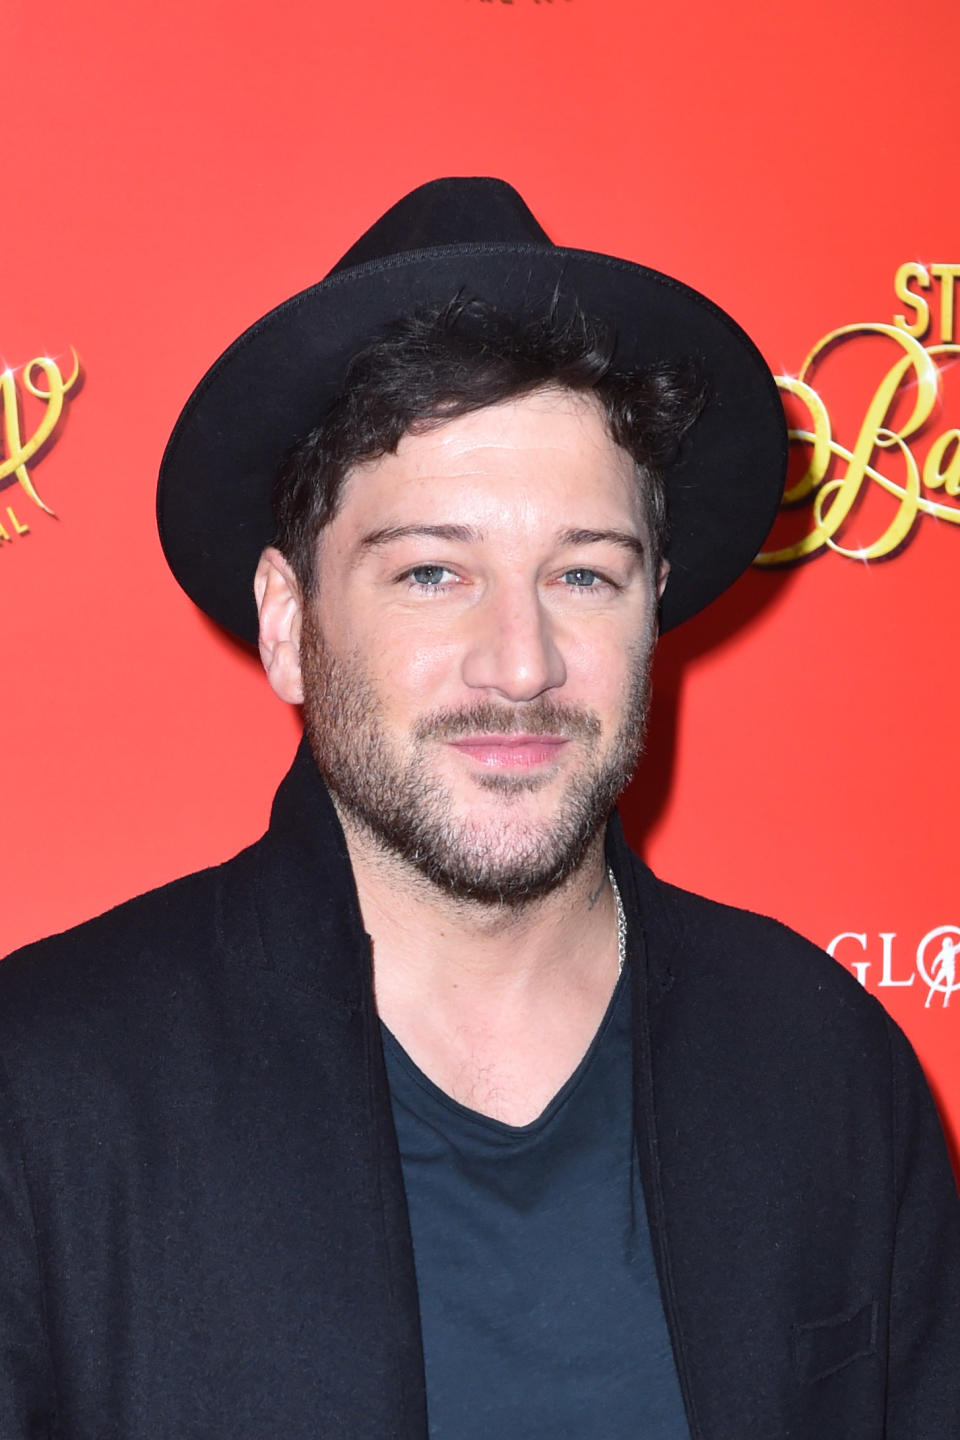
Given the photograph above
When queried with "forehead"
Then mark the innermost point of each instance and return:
(550, 450)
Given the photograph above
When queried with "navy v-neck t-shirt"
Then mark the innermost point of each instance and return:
(539, 1304)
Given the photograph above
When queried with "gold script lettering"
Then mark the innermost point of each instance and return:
(915, 373)
(43, 379)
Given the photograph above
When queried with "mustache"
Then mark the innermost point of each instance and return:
(534, 717)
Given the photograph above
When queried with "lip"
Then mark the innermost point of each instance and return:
(511, 752)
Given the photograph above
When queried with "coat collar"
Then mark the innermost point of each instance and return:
(310, 922)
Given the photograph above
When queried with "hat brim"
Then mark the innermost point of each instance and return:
(270, 388)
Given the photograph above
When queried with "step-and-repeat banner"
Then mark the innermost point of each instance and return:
(171, 172)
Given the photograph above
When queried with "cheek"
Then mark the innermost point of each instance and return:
(599, 668)
(422, 671)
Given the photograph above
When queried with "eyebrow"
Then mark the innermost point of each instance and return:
(462, 534)
(603, 537)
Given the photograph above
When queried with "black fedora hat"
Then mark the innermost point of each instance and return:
(476, 237)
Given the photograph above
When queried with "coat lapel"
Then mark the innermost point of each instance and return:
(313, 947)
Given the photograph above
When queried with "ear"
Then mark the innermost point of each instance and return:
(280, 607)
(662, 578)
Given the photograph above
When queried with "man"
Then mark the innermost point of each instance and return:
(433, 1112)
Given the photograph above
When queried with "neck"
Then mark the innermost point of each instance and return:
(497, 1004)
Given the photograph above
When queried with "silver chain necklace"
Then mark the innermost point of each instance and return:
(621, 923)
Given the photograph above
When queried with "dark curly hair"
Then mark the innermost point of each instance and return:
(440, 363)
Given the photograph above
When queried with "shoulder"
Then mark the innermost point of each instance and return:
(762, 949)
(750, 1020)
(126, 954)
(756, 977)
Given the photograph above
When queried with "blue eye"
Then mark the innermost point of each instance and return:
(428, 575)
(584, 579)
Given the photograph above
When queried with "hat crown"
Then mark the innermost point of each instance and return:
(458, 210)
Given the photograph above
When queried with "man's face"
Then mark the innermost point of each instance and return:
(475, 661)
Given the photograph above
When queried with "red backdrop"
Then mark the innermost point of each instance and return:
(173, 171)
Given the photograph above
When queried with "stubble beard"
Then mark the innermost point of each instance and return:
(408, 811)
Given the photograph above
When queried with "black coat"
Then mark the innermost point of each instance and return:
(203, 1232)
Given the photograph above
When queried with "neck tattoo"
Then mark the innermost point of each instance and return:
(621, 924)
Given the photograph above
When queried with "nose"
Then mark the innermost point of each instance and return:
(512, 647)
